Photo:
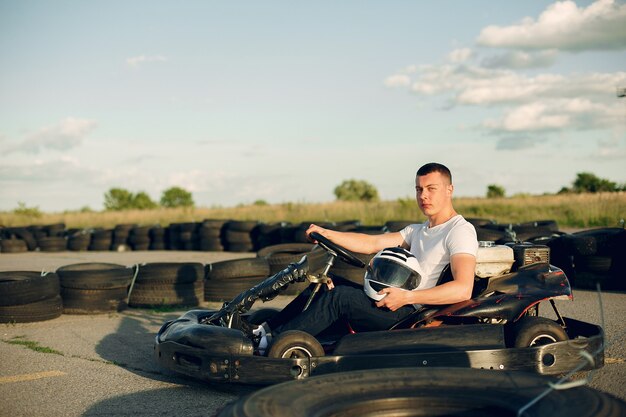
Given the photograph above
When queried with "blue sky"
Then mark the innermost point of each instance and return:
(282, 101)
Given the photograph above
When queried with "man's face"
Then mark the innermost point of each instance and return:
(432, 192)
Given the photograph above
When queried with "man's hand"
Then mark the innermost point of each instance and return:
(314, 228)
(395, 298)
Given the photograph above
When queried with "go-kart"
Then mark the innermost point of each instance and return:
(498, 328)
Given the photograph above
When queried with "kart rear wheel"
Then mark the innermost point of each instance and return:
(295, 344)
(533, 331)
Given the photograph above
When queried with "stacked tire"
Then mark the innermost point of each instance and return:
(210, 235)
(239, 236)
(226, 279)
(79, 241)
(101, 240)
(350, 272)
(121, 232)
(91, 288)
(167, 284)
(599, 258)
(281, 255)
(139, 238)
(269, 234)
(27, 296)
(13, 245)
(22, 233)
(397, 225)
(158, 239)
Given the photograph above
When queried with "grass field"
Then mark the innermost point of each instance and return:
(570, 211)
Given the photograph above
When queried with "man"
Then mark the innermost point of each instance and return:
(445, 238)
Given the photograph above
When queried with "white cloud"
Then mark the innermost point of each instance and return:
(553, 114)
(564, 26)
(460, 55)
(398, 80)
(136, 61)
(68, 133)
(519, 59)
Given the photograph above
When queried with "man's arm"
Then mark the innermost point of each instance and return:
(360, 242)
(463, 267)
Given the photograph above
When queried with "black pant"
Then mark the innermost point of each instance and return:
(346, 301)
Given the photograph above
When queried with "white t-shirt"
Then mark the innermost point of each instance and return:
(433, 246)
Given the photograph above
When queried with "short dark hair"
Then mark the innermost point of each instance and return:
(435, 167)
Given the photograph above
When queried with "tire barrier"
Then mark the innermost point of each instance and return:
(89, 288)
(167, 284)
(27, 296)
(13, 245)
(139, 238)
(224, 280)
(350, 272)
(281, 255)
(593, 257)
(52, 244)
(210, 234)
(239, 236)
(425, 392)
(587, 257)
(79, 241)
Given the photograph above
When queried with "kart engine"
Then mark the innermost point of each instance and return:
(494, 260)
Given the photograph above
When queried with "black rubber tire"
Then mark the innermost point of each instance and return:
(235, 236)
(95, 275)
(478, 221)
(533, 331)
(238, 268)
(167, 290)
(551, 225)
(351, 274)
(295, 344)
(593, 263)
(148, 301)
(241, 226)
(240, 247)
(52, 244)
(13, 246)
(26, 235)
(85, 301)
(286, 248)
(227, 289)
(485, 234)
(424, 392)
(170, 273)
(47, 309)
(78, 242)
(25, 287)
(397, 225)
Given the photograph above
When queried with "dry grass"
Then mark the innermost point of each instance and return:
(576, 210)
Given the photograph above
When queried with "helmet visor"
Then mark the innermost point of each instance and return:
(392, 274)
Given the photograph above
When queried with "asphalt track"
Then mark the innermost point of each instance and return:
(103, 363)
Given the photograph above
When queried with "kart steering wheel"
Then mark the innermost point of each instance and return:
(343, 253)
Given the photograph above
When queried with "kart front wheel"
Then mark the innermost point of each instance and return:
(533, 331)
(295, 344)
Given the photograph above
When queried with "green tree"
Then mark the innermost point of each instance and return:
(495, 191)
(586, 182)
(142, 201)
(176, 197)
(356, 190)
(118, 199)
